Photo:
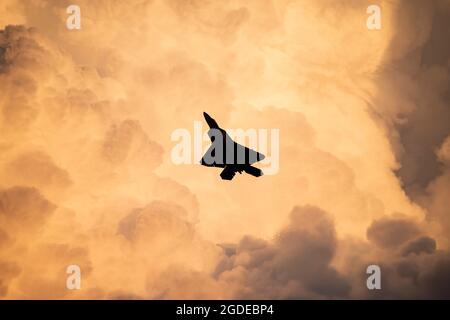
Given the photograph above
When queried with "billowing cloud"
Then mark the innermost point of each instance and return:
(295, 265)
(421, 245)
(392, 232)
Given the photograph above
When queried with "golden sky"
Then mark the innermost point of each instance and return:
(86, 175)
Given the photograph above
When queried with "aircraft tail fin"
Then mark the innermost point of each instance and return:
(210, 121)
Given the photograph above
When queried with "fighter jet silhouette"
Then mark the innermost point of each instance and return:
(227, 154)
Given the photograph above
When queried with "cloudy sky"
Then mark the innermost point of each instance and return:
(87, 178)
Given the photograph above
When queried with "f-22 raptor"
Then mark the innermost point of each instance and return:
(228, 154)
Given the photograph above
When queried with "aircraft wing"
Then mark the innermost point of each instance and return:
(252, 155)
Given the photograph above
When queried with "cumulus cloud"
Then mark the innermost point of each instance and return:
(421, 245)
(392, 232)
(296, 264)
(24, 208)
(8, 272)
